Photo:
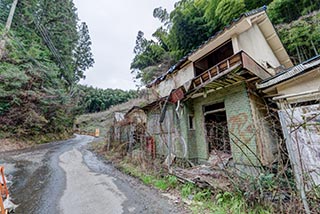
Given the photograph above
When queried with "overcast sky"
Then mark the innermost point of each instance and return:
(113, 27)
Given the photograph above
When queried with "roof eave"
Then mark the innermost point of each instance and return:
(236, 27)
(274, 81)
(274, 41)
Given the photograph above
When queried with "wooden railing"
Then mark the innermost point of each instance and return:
(220, 68)
(240, 59)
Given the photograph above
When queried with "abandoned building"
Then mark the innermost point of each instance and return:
(211, 107)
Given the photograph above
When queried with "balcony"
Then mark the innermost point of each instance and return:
(234, 69)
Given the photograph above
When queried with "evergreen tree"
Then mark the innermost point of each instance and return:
(83, 55)
(45, 55)
(60, 24)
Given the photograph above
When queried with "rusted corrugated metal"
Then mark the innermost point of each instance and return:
(291, 72)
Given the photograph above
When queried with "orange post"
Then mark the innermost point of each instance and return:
(97, 133)
(4, 193)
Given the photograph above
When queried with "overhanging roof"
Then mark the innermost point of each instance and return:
(290, 73)
(240, 25)
(237, 26)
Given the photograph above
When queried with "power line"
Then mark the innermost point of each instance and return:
(45, 36)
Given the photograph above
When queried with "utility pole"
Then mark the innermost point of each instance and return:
(7, 28)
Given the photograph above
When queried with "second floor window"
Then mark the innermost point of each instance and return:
(219, 54)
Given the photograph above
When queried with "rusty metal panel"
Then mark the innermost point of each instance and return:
(301, 126)
(253, 67)
(177, 95)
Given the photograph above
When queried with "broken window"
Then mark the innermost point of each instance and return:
(219, 54)
(217, 128)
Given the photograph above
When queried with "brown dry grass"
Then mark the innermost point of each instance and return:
(14, 144)
(103, 120)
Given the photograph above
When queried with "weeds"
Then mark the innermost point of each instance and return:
(187, 189)
(173, 181)
(234, 202)
(203, 195)
(147, 179)
(161, 184)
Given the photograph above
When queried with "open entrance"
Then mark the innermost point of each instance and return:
(217, 129)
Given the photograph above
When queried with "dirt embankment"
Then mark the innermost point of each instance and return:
(10, 144)
(88, 123)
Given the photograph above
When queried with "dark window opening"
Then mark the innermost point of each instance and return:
(247, 75)
(217, 129)
(221, 53)
(191, 122)
(213, 107)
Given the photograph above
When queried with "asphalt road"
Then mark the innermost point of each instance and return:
(65, 177)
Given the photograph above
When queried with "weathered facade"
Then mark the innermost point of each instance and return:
(128, 129)
(209, 104)
(117, 132)
(297, 92)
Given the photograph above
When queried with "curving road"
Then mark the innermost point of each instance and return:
(65, 177)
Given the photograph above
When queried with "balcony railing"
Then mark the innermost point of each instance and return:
(229, 68)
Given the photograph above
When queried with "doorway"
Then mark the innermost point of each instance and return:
(217, 135)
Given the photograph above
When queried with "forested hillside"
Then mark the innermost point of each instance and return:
(194, 21)
(96, 99)
(47, 49)
(45, 55)
(40, 67)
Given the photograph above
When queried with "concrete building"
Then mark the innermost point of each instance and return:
(209, 104)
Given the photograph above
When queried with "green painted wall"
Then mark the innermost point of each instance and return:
(192, 143)
(240, 124)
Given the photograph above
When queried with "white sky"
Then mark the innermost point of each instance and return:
(113, 27)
